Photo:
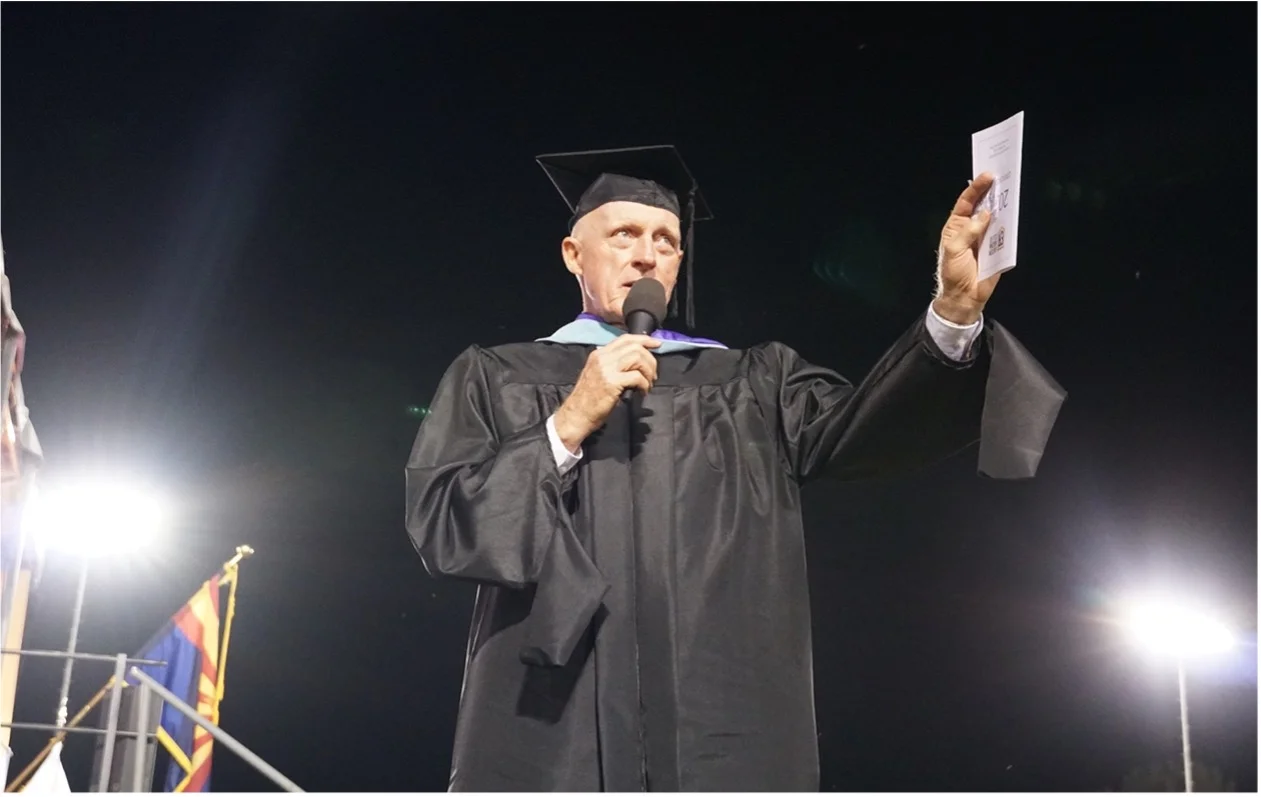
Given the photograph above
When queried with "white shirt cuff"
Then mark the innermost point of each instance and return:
(953, 340)
(565, 459)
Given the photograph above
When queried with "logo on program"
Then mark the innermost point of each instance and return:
(997, 240)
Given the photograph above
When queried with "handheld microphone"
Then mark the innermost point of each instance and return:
(643, 309)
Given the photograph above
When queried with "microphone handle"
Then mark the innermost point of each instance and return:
(641, 322)
(638, 323)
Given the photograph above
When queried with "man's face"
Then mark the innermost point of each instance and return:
(617, 244)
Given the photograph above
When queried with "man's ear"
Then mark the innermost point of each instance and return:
(570, 248)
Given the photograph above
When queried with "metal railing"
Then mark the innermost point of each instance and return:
(147, 686)
(147, 683)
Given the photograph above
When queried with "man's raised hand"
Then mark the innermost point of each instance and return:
(961, 297)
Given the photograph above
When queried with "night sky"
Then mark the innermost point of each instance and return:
(244, 240)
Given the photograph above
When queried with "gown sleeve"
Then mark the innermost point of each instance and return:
(915, 407)
(491, 508)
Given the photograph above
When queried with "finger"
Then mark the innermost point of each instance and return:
(623, 355)
(632, 369)
(646, 370)
(617, 353)
(978, 225)
(634, 349)
(966, 204)
(647, 364)
(638, 360)
(964, 234)
(646, 341)
(634, 380)
(622, 341)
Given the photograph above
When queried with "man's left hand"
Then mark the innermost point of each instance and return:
(961, 297)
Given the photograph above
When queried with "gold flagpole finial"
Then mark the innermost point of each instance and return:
(242, 552)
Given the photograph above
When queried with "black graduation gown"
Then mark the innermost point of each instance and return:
(643, 622)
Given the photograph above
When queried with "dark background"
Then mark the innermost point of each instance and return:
(244, 239)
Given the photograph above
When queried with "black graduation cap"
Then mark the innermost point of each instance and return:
(654, 176)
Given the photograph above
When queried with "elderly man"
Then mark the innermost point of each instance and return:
(642, 619)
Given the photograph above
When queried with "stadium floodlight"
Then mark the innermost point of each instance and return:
(96, 518)
(1166, 627)
(1171, 628)
(92, 519)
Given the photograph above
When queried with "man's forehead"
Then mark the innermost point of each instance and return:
(624, 212)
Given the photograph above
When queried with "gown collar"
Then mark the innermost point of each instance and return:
(589, 330)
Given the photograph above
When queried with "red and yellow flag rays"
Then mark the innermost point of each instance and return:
(199, 622)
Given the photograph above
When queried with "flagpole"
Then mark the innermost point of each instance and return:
(60, 736)
(242, 552)
(63, 701)
(229, 612)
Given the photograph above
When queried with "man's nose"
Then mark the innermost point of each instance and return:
(645, 257)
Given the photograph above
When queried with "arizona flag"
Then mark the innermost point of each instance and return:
(190, 646)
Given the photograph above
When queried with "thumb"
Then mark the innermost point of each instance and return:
(979, 224)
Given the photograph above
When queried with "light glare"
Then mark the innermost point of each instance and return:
(95, 519)
(1169, 629)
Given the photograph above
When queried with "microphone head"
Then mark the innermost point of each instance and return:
(646, 296)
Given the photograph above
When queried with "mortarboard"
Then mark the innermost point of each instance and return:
(654, 176)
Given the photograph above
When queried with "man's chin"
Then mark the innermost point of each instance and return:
(613, 313)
